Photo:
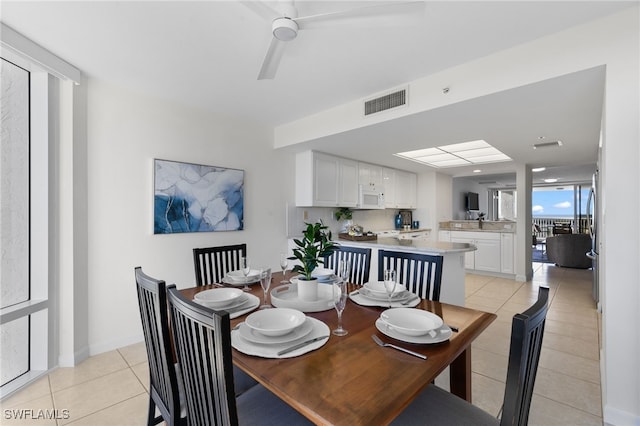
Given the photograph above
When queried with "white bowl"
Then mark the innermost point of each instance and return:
(238, 277)
(410, 321)
(219, 297)
(275, 322)
(377, 288)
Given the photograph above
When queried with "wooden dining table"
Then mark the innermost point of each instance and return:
(353, 381)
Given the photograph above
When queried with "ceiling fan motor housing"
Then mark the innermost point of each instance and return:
(284, 29)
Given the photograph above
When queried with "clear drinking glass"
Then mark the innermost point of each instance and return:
(265, 283)
(390, 283)
(284, 262)
(245, 268)
(340, 301)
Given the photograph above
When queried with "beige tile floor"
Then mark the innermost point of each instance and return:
(111, 388)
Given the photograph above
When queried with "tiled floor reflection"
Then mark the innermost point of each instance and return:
(111, 388)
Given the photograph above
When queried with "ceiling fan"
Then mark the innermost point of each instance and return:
(286, 23)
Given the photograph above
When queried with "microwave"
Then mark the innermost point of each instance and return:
(370, 198)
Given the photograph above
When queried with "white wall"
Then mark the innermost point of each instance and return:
(612, 41)
(126, 132)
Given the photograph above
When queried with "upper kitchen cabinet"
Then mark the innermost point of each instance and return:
(370, 175)
(400, 189)
(325, 181)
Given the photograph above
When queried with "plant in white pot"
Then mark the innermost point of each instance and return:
(345, 214)
(311, 250)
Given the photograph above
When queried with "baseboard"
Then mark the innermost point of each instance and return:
(114, 344)
(614, 417)
(75, 359)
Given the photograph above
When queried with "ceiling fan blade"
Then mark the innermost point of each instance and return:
(379, 14)
(261, 9)
(272, 60)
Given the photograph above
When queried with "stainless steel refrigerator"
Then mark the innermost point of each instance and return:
(592, 215)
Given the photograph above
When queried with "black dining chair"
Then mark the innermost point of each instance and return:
(202, 338)
(163, 377)
(420, 273)
(360, 262)
(212, 263)
(435, 406)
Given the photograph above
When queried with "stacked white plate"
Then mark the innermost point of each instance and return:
(413, 325)
(375, 290)
(237, 278)
(233, 300)
(221, 298)
(265, 333)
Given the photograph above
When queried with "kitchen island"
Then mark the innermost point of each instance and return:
(452, 290)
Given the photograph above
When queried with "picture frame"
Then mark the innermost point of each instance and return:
(191, 197)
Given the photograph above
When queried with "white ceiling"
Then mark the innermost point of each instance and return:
(207, 54)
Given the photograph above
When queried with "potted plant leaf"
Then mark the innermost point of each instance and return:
(310, 251)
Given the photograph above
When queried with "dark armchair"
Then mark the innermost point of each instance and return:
(569, 250)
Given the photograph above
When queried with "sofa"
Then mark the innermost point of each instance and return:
(569, 250)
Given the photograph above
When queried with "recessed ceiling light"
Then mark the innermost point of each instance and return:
(477, 171)
(551, 180)
(465, 153)
(539, 169)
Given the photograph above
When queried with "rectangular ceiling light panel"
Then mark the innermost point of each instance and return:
(456, 154)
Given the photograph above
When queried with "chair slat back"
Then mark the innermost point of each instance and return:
(359, 258)
(420, 273)
(202, 338)
(212, 263)
(163, 389)
(527, 331)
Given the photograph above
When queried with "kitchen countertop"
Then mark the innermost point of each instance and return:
(429, 246)
(474, 226)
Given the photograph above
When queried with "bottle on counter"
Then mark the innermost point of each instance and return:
(398, 221)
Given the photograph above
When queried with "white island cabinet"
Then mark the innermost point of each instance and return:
(452, 288)
(494, 254)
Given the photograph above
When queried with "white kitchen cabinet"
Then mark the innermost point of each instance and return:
(507, 259)
(370, 176)
(444, 235)
(487, 257)
(325, 181)
(414, 235)
(400, 189)
(406, 189)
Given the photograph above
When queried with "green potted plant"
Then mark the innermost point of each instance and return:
(345, 214)
(310, 251)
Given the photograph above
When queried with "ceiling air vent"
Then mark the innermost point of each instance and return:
(386, 102)
(553, 144)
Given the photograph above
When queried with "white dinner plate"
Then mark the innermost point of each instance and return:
(357, 297)
(320, 329)
(439, 335)
(251, 302)
(252, 335)
(233, 282)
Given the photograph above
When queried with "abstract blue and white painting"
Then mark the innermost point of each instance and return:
(197, 198)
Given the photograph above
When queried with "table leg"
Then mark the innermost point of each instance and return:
(460, 375)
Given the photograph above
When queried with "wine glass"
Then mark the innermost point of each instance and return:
(344, 270)
(390, 283)
(265, 283)
(284, 262)
(245, 268)
(339, 302)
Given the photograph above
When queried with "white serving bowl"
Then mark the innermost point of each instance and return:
(219, 297)
(275, 322)
(377, 288)
(410, 321)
